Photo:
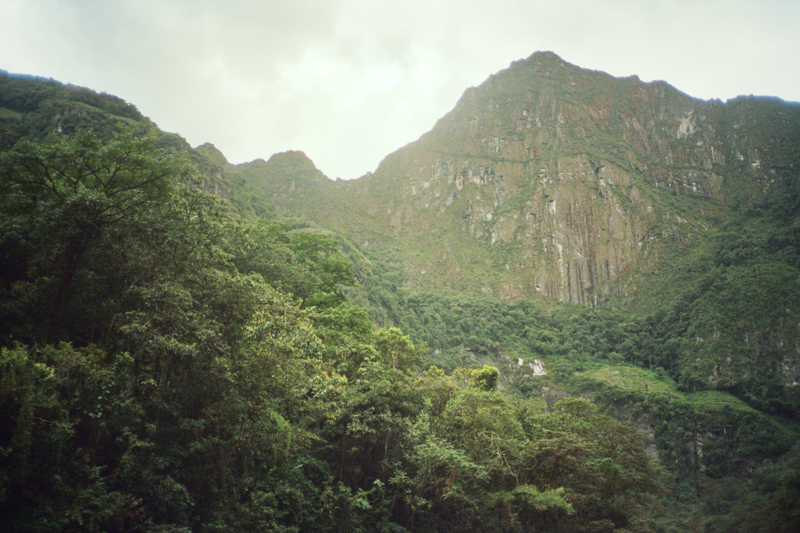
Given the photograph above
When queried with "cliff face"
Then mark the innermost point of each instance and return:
(555, 181)
(565, 172)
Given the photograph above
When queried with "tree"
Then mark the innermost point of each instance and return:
(59, 199)
(485, 378)
(179, 403)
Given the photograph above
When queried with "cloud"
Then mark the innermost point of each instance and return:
(349, 81)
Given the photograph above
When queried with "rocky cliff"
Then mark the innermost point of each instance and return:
(555, 181)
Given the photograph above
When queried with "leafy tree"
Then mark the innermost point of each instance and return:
(485, 378)
(327, 266)
(184, 370)
(59, 199)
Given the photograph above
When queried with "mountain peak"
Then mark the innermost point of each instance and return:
(213, 153)
(295, 158)
(563, 179)
(547, 63)
(543, 58)
(284, 173)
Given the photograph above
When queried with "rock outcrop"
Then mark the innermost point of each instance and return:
(566, 179)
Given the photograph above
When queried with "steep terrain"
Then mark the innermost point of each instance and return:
(32, 108)
(550, 180)
(553, 184)
(585, 235)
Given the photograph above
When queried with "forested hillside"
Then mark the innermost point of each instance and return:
(180, 352)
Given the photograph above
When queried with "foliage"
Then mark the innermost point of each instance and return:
(167, 366)
(63, 199)
(704, 364)
(32, 107)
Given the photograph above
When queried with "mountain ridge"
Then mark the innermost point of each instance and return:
(563, 170)
(585, 235)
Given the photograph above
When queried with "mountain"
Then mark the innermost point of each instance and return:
(660, 230)
(32, 108)
(552, 181)
(572, 233)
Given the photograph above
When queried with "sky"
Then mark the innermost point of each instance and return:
(350, 81)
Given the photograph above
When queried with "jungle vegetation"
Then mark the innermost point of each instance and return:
(173, 360)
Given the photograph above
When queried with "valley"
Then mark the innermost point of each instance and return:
(572, 305)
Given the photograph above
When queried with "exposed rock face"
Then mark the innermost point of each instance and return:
(211, 163)
(570, 223)
(562, 178)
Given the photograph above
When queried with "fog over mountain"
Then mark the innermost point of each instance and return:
(349, 81)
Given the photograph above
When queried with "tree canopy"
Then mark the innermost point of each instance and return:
(166, 366)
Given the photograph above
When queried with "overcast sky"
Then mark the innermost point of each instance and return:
(350, 81)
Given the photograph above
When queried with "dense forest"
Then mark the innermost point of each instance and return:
(176, 360)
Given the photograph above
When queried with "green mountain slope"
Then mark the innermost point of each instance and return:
(675, 218)
(585, 235)
(552, 181)
(167, 366)
(32, 108)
